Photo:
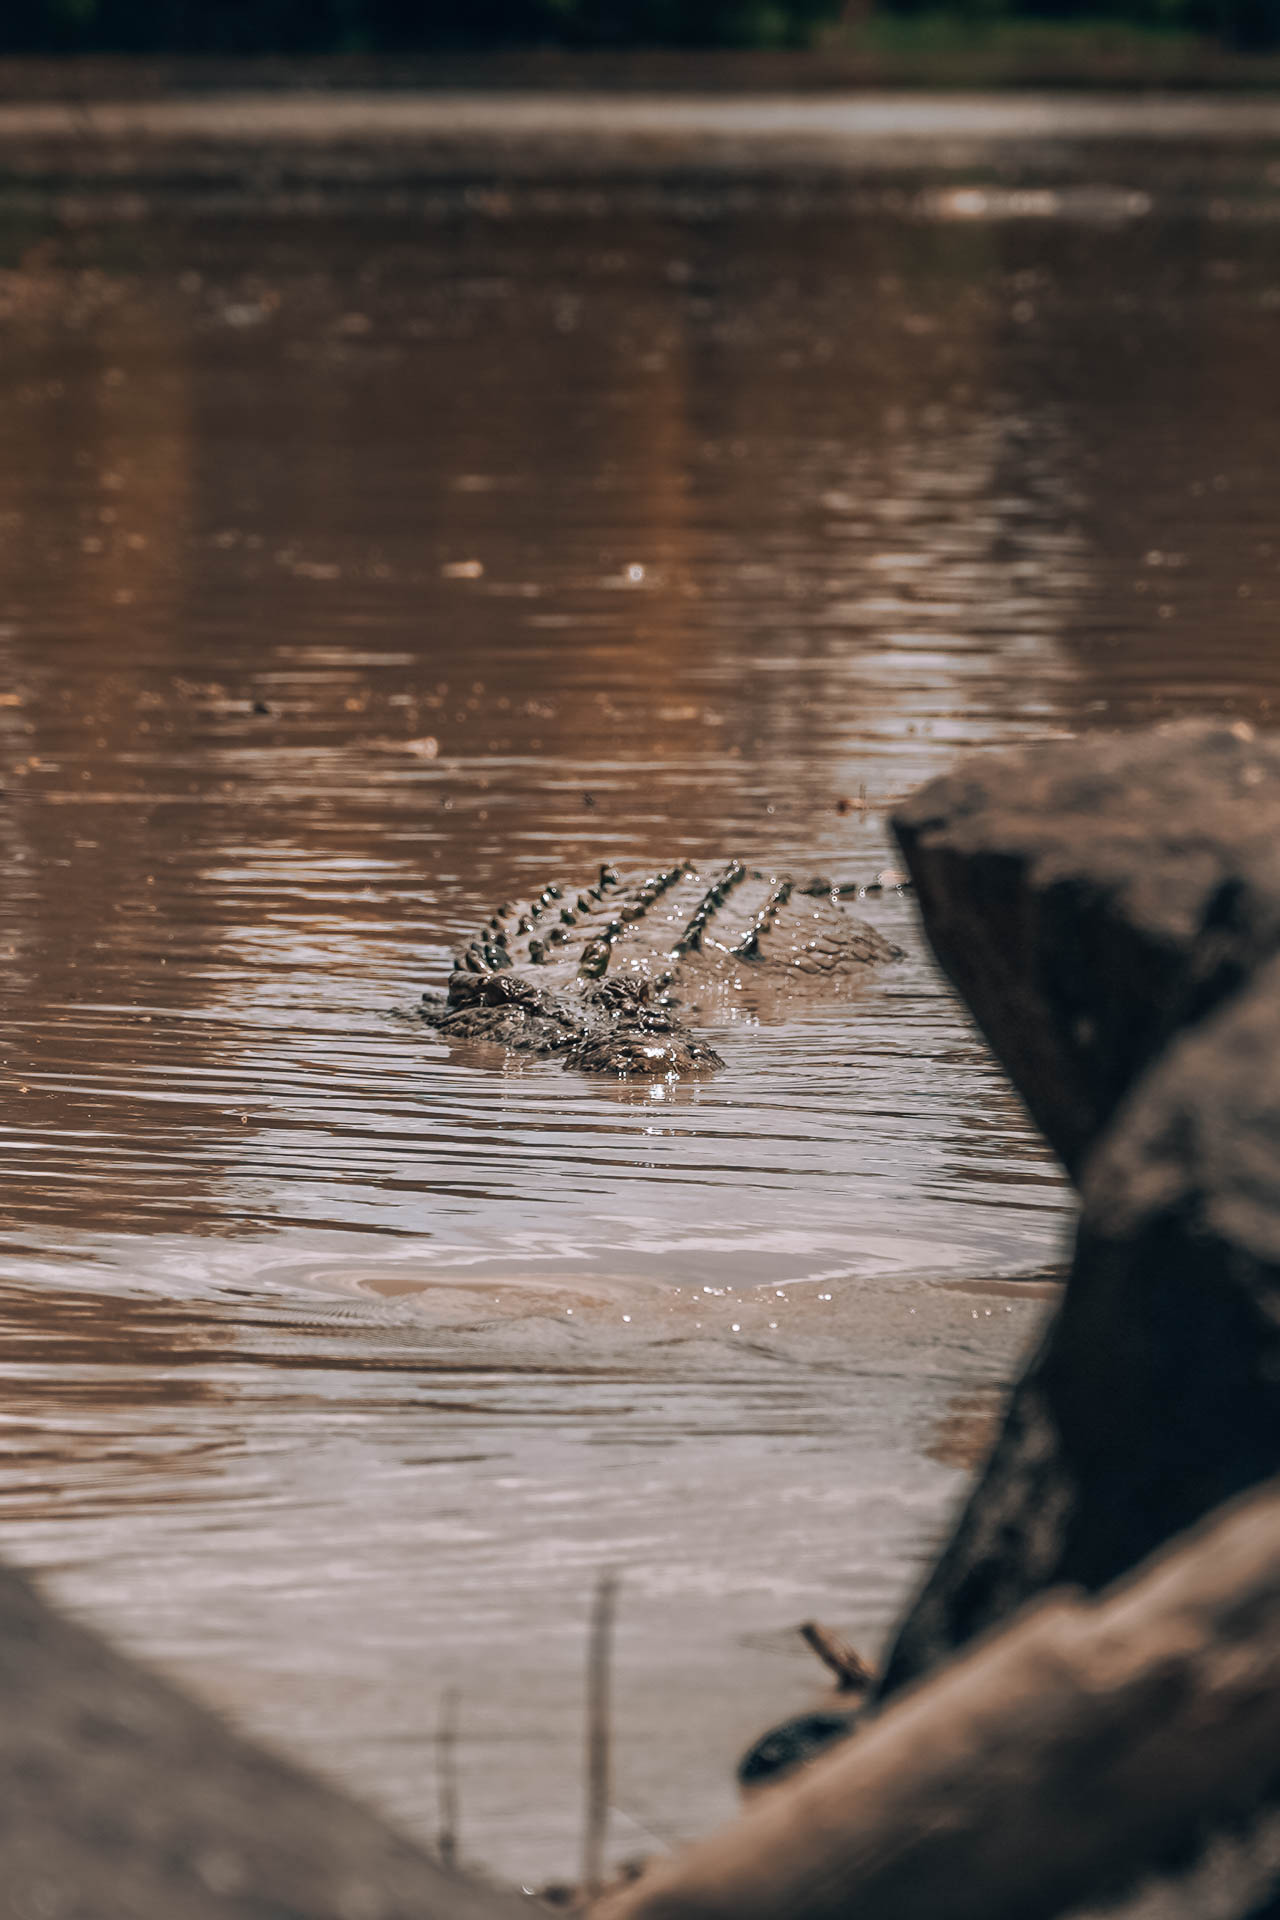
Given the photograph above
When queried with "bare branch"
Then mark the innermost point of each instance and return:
(599, 1659)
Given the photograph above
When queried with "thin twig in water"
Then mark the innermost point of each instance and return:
(447, 1777)
(599, 1665)
(853, 1675)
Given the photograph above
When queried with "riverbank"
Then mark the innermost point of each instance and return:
(101, 147)
(885, 54)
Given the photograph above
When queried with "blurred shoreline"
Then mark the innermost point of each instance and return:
(1221, 144)
(1015, 55)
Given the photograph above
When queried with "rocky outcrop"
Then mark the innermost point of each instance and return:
(1091, 899)
(1110, 910)
(122, 1799)
(1156, 1392)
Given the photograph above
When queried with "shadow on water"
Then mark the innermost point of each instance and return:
(368, 563)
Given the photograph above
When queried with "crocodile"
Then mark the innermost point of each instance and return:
(597, 974)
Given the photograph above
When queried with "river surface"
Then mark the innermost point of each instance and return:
(372, 555)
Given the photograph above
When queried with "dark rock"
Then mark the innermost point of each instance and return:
(121, 1799)
(1110, 910)
(792, 1744)
(1156, 1393)
(1092, 898)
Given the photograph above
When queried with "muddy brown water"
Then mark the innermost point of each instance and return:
(372, 556)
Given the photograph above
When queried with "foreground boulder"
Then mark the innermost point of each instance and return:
(1091, 899)
(1156, 1393)
(1109, 909)
(122, 1799)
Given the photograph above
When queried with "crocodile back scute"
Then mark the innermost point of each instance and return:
(668, 921)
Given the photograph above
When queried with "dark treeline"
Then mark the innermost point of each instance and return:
(352, 26)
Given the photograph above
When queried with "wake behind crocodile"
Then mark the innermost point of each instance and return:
(605, 975)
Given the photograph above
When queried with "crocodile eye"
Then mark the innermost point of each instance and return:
(595, 959)
(568, 916)
(523, 924)
(553, 892)
(555, 935)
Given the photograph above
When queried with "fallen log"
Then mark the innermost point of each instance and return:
(1054, 1762)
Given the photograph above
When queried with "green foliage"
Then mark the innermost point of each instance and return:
(295, 26)
(1246, 24)
(717, 23)
(349, 25)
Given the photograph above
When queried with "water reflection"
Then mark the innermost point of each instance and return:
(375, 620)
(364, 569)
